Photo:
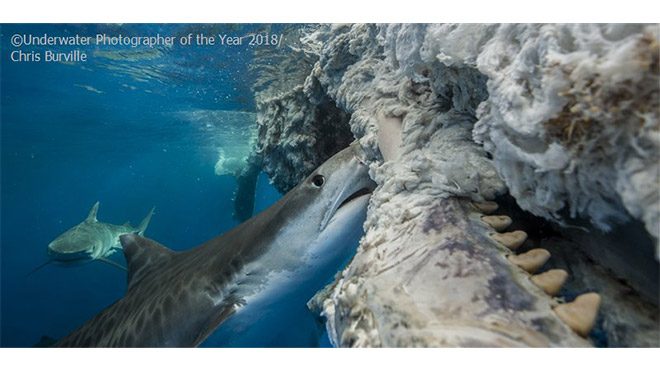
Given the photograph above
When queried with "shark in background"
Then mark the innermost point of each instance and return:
(91, 240)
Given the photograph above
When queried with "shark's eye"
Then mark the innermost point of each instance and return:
(318, 180)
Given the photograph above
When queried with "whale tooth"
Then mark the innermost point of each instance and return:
(580, 315)
(512, 240)
(498, 222)
(532, 260)
(486, 207)
(550, 281)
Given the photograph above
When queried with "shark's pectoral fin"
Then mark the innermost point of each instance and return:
(114, 264)
(91, 217)
(39, 267)
(142, 256)
(214, 321)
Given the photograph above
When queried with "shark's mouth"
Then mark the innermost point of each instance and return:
(361, 192)
(68, 256)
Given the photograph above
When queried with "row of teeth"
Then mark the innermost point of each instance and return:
(580, 315)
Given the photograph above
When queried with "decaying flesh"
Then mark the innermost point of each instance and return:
(562, 118)
(462, 283)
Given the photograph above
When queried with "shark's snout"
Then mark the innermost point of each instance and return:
(54, 246)
(55, 250)
(348, 180)
(361, 185)
(358, 181)
(65, 248)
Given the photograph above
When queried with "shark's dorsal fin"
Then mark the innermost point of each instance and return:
(143, 256)
(92, 213)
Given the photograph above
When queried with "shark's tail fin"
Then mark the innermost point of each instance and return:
(145, 222)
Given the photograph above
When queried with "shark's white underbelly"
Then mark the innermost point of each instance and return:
(273, 309)
(259, 317)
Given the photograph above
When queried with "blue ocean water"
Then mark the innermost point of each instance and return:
(108, 130)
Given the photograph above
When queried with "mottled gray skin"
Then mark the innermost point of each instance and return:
(92, 239)
(180, 298)
(442, 283)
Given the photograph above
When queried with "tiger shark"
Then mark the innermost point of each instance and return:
(179, 298)
(91, 240)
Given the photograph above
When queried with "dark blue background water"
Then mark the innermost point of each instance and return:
(107, 130)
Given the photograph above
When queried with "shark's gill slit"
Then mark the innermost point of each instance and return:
(231, 282)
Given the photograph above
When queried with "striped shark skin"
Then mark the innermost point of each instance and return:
(178, 299)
